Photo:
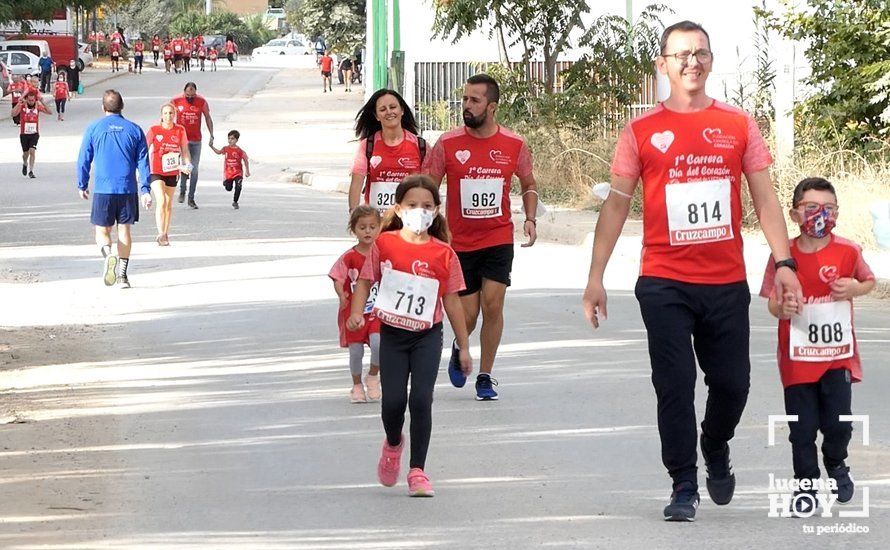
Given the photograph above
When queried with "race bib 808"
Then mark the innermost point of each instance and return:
(822, 332)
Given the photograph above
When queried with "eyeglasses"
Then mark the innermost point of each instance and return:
(813, 207)
(703, 56)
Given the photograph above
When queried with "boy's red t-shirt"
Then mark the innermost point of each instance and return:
(233, 156)
(327, 62)
(821, 341)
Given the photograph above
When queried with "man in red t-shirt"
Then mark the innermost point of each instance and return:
(480, 160)
(190, 107)
(178, 47)
(690, 153)
(326, 63)
(17, 89)
(28, 112)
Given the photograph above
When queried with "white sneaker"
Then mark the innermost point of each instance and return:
(110, 274)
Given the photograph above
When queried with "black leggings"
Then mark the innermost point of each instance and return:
(137, 62)
(685, 322)
(818, 407)
(404, 353)
(60, 106)
(156, 55)
(237, 183)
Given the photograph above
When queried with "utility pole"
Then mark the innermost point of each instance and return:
(208, 4)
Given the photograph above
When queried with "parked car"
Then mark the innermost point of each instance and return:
(20, 63)
(35, 47)
(217, 41)
(5, 79)
(84, 55)
(283, 46)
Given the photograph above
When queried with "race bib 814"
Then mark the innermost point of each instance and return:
(699, 212)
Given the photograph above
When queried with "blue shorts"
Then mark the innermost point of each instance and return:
(114, 209)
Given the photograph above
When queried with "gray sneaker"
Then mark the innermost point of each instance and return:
(109, 275)
(123, 282)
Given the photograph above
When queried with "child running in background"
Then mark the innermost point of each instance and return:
(235, 157)
(418, 275)
(817, 353)
(364, 223)
(212, 55)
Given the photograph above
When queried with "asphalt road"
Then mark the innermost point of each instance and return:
(207, 406)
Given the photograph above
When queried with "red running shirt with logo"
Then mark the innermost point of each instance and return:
(691, 165)
(479, 173)
(816, 271)
(388, 165)
(189, 115)
(233, 157)
(161, 142)
(346, 273)
(433, 259)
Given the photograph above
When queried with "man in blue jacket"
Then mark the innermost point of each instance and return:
(119, 150)
(46, 65)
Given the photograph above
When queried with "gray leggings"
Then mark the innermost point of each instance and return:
(357, 353)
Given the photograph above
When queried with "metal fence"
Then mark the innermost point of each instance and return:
(438, 88)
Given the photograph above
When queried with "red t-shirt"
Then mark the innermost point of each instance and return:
(389, 166)
(139, 47)
(61, 90)
(115, 48)
(165, 145)
(327, 63)
(29, 119)
(115, 38)
(213, 54)
(156, 44)
(187, 47)
(432, 260)
(230, 47)
(17, 89)
(823, 342)
(202, 51)
(479, 173)
(694, 163)
(177, 46)
(168, 53)
(233, 157)
(346, 273)
(189, 115)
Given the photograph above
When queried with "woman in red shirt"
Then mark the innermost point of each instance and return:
(231, 50)
(156, 48)
(168, 154)
(418, 276)
(61, 95)
(138, 55)
(395, 150)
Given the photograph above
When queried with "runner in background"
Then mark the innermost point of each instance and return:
(236, 165)
(156, 48)
(115, 50)
(17, 89)
(346, 68)
(326, 63)
(168, 55)
(187, 54)
(212, 55)
(202, 55)
(138, 55)
(178, 48)
(364, 223)
(690, 152)
(387, 123)
(60, 94)
(28, 112)
(168, 154)
(419, 276)
(231, 50)
(480, 160)
(817, 352)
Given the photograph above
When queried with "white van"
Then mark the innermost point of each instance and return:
(36, 47)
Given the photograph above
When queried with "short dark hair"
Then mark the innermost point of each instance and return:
(190, 85)
(807, 184)
(235, 133)
(682, 26)
(493, 90)
(112, 101)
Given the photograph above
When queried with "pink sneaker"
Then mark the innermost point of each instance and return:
(390, 463)
(419, 484)
(372, 383)
(357, 395)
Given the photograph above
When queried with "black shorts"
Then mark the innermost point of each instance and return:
(169, 181)
(177, 57)
(494, 263)
(110, 209)
(29, 141)
(326, 74)
(236, 181)
(115, 55)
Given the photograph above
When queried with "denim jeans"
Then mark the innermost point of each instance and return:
(195, 153)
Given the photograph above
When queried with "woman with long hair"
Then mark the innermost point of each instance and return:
(168, 153)
(388, 151)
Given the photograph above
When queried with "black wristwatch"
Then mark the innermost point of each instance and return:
(789, 263)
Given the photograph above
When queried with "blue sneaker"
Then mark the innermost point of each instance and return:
(684, 502)
(458, 379)
(484, 391)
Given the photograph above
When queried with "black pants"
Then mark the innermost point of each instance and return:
(416, 354)
(684, 322)
(818, 407)
(237, 184)
(60, 106)
(137, 62)
(156, 54)
(45, 77)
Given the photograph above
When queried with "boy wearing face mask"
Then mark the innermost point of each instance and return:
(817, 354)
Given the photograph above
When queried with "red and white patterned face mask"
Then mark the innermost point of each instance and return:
(818, 221)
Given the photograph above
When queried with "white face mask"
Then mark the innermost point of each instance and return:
(417, 220)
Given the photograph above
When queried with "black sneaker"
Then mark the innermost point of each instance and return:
(721, 480)
(454, 373)
(181, 198)
(234, 205)
(845, 486)
(24, 169)
(804, 504)
(31, 174)
(192, 204)
(484, 389)
(684, 502)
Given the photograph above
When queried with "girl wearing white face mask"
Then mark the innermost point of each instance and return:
(418, 276)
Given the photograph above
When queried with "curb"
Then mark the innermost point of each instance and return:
(322, 182)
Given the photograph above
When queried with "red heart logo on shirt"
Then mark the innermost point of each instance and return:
(419, 268)
(828, 273)
(707, 134)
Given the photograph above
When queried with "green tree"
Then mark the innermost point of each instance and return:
(846, 43)
(340, 22)
(42, 10)
(147, 17)
(542, 27)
